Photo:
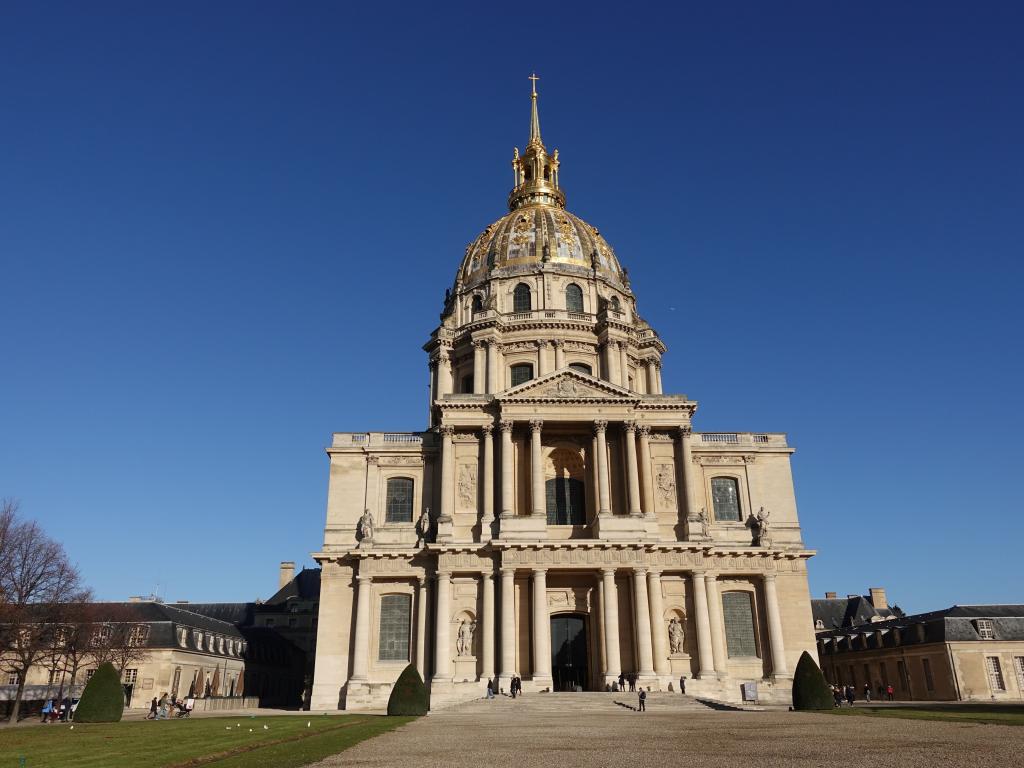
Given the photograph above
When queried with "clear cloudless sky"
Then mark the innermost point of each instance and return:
(226, 229)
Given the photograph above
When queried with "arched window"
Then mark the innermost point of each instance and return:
(521, 298)
(399, 500)
(573, 298)
(738, 617)
(581, 367)
(725, 496)
(478, 303)
(395, 623)
(613, 304)
(520, 373)
(565, 501)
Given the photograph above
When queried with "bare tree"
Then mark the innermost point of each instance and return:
(120, 636)
(8, 523)
(37, 582)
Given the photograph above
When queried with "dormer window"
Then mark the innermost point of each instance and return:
(819, 624)
(986, 629)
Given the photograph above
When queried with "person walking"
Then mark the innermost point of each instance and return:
(682, 684)
(490, 690)
(632, 682)
(890, 692)
(152, 710)
(161, 713)
(851, 695)
(643, 701)
(837, 696)
(867, 692)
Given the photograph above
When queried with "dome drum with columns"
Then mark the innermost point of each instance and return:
(560, 498)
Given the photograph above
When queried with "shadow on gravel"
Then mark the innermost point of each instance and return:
(624, 705)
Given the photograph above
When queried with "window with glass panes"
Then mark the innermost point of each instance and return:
(521, 373)
(521, 298)
(986, 629)
(574, 298)
(725, 497)
(1018, 665)
(565, 501)
(395, 621)
(399, 500)
(581, 367)
(995, 673)
(738, 616)
(130, 676)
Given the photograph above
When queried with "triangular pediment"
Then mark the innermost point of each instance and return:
(567, 384)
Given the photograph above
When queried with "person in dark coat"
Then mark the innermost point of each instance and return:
(622, 681)
(682, 684)
(152, 710)
(642, 707)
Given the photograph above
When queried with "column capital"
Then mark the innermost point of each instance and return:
(613, 344)
(685, 431)
(698, 574)
(372, 459)
(608, 569)
(364, 579)
(443, 576)
(505, 425)
(492, 343)
(539, 570)
(508, 571)
(657, 364)
(640, 570)
(654, 572)
(477, 344)
(643, 430)
(445, 430)
(486, 430)
(422, 581)
(600, 425)
(629, 426)
(559, 343)
(536, 425)
(541, 343)
(769, 577)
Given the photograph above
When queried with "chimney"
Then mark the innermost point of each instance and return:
(830, 595)
(287, 573)
(878, 598)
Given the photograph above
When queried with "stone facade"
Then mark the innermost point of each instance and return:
(560, 513)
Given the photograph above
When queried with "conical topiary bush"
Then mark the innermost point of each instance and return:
(409, 696)
(103, 697)
(810, 691)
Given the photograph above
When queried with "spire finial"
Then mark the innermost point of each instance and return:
(534, 117)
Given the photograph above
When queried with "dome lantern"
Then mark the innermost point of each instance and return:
(535, 172)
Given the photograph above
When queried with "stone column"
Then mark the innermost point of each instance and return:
(603, 486)
(447, 472)
(492, 366)
(541, 628)
(442, 629)
(508, 623)
(624, 365)
(700, 607)
(444, 373)
(372, 481)
(689, 477)
(543, 362)
(771, 606)
(652, 377)
(479, 368)
(487, 626)
(646, 478)
(657, 377)
(642, 611)
(559, 354)
(507, 495)
(421, 628)
(632, 477)
(658, 628)
(536, 468)
(718, 650)
(613, 666)
(488, 484)
(612, 356)
(361, 651)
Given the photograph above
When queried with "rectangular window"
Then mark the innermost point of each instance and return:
(901, 673)
(995, 673)
(1018, 664)
(12, 679)
(738, 613)
(129, 677)
(884, 672)
(399, 500)
(89, 673)
(929, 681)
(395, 622)
(725, 497)
(986, 629)
(521, 373)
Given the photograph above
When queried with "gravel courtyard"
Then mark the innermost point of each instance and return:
(528, 732)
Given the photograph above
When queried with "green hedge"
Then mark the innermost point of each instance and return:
(103, 697)
(810, 690)
(409, 696)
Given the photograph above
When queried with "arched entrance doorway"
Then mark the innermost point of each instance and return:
(569, 663)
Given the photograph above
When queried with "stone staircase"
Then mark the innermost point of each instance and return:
(563, 703)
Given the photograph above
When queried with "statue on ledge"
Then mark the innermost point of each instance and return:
(366, 526)
(759, 528)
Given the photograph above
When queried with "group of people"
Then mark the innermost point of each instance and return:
(164, 707)
(848, 693)
(52, 711)
(515, 687)
(625, 679)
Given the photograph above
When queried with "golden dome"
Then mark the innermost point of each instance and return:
(539, 234)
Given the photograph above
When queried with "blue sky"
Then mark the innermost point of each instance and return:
(226, 229)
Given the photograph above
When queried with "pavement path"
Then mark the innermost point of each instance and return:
(558, 730)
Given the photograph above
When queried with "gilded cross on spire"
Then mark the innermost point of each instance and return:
(533, 78)
(534, 117)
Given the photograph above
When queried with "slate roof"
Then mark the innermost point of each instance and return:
(954, 624)
(305, 586)
(163, 619)
(834, 613)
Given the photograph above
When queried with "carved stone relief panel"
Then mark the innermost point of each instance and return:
(467, 487)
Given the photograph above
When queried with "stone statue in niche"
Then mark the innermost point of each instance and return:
(366, 526)
(760, 529)
(675, 636)
(464, 643)
(423, 527)
(705, 523)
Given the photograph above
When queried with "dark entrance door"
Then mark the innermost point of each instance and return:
(569, 652)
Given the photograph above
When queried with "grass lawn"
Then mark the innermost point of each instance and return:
(997, 714)
(223, 742)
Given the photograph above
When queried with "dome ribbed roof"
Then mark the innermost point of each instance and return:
(537, 234)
